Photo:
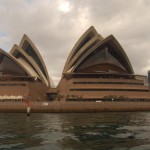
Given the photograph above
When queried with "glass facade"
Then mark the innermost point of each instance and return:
(31, 52)
(17, 54)
(86, 40)
(10, 68)
(87, 49)
(103, 60)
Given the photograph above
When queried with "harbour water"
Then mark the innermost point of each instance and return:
(75, 131)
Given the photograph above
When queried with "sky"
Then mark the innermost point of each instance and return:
(54, 26)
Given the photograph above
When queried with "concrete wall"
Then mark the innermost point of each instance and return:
(36, 90)
(66, 88)
(58, 107)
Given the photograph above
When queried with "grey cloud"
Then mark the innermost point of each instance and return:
(55, 32)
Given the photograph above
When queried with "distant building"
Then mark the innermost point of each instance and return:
(149, 77)
(23, 73)
(97, 70)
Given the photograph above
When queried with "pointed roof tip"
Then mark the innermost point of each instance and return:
(111, 35)
(92, 28)
(24, 36)
(13, 47)
(1, 49)
(4, 52)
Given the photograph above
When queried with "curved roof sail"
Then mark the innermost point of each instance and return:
(28, 63)
(97, 54)
(9, 66)
(29, 48)
(106, 54)
(88, 37)
(21, 58)
(83, 50)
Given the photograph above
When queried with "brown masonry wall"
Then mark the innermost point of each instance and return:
(60, 107)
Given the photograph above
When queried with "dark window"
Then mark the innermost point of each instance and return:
(17, 54)
(103, 60)
(90, 90)
(19, 84)
(85, 41)
(30, 51)
(107, 100)
(125, 83)
(10, 68)
(51, 96)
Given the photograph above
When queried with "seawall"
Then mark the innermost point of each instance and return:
(60, 107)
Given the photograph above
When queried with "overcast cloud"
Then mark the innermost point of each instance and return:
(55, 25)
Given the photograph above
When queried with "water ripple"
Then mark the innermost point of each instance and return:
(85, 131)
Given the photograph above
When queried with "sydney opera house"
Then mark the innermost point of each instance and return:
(97, 70)
(23, 72)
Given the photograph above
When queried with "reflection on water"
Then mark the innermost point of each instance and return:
(80, 131)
